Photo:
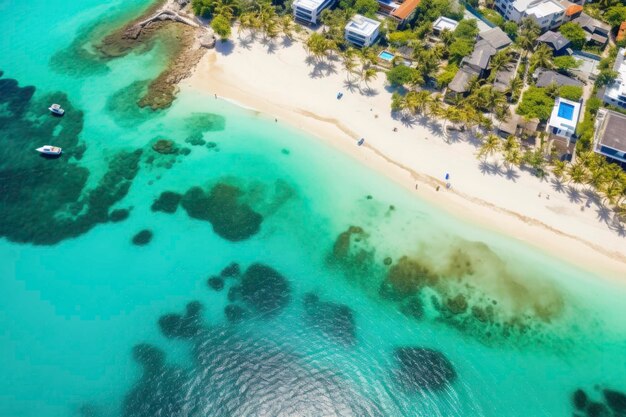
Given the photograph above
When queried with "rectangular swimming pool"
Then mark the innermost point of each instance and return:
(386, 55)
(566, 111)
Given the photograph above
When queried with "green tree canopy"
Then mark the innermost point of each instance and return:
(615, 15)
(366, 7)
(447, 75)
(402, 75)
(401, 37)
(466, 29)
(571, 92)
(460, 48)
(536, 103)
(221, 26)
(566, 62)
(574, 33)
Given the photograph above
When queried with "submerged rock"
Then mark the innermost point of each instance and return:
(457, 304)
(580, 399)
(413, 308)
(264, 289)
(167, 202)
(161, 389)
(118, 215)
(216, 283)
(165, 147)
(335, 321)
(616, 401)
(408, 276)
(231, 271)
(595, 409)
(142, 238)
(422, 368)
(177, 326)
(234, 313)
(230, 219)
(196, 140)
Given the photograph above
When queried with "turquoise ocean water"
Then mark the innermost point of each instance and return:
(408, 313)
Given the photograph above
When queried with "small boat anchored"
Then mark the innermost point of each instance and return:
(50, 150)
(361, 141)
(56, 110)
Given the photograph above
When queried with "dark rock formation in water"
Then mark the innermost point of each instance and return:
(44, 201)
(616, 401)
(580, 399)
(196, 140)
(335, 321)
(595, 409)
(234, 313)
(231, 219)
(167, 202)
(457, 304)
(231, 271)
(408, 276)
(119, 215)
(216, 283)
(165, 147)
(142, 238)
(161, 389)
(185, 326)
(265, 289)
(421, 368)
(413, 308)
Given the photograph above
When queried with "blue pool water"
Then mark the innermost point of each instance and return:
(566, 111)
(387, 56)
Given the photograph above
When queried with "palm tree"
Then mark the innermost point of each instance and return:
(542, 58)
(435, 107)
(349, 62)
(286, 25)
(559, 169)
(577, 173)
(490, 145)
(411, 102)
(499, 61)
(516, 84)
(368, 74)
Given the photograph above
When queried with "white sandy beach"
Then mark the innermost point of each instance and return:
(280, 84)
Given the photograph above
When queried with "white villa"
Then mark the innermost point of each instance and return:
(615, 93)
(308, 11)
(549, 14)
(362, 31)
(444, 23)
(564, 118)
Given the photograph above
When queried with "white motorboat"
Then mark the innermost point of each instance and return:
(49, 150)
(56, 109)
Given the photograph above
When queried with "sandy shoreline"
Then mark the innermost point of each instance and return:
(280, 84)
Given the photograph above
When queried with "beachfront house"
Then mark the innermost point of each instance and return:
(548, 14)
(362, 31)
(597, 32)
(544, 78)
(559, 44)
(615, 93)
(610, 139)
(399, 10)
(476, 65)
(564, 118)
(308, 11)
(444, 23)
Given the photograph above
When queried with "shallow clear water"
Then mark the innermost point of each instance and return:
(76, 303)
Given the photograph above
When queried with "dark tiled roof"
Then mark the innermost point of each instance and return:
(461, 80)
(483, 51)
(496, 38)
(590, 24)
(554, 39)
(545, 78)
(504, 77)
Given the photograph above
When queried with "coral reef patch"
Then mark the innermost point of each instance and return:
(221, 206)
(45, 201)
(421, 368)
(142, 238)
(182, 326)
(167, 202)
(333, 320)
(265, 289)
